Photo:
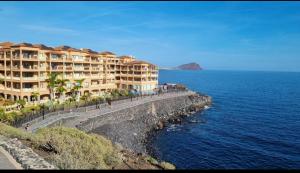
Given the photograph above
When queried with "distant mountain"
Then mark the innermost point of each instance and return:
(189, 66)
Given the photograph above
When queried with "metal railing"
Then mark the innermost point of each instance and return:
(87, 105)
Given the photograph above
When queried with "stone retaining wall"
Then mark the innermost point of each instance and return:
(130, 126)
(24, 155)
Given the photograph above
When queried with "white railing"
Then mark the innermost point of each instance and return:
(30, 78)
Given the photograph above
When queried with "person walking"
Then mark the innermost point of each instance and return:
(109, 102)
(26, 127)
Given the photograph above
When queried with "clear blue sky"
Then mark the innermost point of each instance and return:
(217, 35)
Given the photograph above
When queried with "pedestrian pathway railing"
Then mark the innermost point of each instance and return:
(88, 105)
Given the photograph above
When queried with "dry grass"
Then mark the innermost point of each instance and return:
(69, 148)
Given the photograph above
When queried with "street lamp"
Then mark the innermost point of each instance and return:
(43, 108)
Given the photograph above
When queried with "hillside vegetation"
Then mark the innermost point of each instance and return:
(70, 148)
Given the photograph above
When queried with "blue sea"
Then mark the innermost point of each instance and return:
(253, 123)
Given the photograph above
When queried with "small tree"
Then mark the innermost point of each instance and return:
(2, 115)
(61, 84)
(52, 84)
(77, 87)
(35, 95)
(21, 102)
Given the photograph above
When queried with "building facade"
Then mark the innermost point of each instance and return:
(24, 69)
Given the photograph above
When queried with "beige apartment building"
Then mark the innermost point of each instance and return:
(24, 69)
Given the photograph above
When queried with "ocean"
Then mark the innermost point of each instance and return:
(253, 123)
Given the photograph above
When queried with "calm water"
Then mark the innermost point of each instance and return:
(254, 122)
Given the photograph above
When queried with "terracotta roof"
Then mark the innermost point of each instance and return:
(41, 46)
(66, 48)
(106, 53)
(6, 44)
(89, 51)
(138, 62)
(125, 56)
(22, 45)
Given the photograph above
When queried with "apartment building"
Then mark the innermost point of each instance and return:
(24, 69)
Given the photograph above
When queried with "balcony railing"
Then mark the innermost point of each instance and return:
(95, 68)
(68, 68)
(78, 68)
(58, 68)
(30, 68)
(57, 59)
(30, 78)
(30, 57)
(28, 89)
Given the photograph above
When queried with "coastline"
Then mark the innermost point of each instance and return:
(144, 126)
(173, 120)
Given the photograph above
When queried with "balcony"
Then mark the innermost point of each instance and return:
(16, 67)
(57, 59)
(78, 68)
(16, 57)
(31, 57)
(16, 78)
(30, 78)
(69, 59)
(79, 77)
(16, 89)
(87, 68)
(43, 68)
(95, 68)
(95, 86)
(29, 89)
(58, 68)
(42, 58)
(43, 77)
(68, 76)
(30, 68)
(69, 68)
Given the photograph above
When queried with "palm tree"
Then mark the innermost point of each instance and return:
(77, 87)
(61, 83)
(21, 102)
(35, 95)
(52, 84)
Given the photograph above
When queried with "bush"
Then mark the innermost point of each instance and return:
(12, 132)
(26, 110)
(78, 150)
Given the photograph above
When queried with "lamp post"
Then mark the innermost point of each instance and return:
(43, 107)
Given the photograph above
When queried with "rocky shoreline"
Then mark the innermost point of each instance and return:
(177, 118)
(133, 128)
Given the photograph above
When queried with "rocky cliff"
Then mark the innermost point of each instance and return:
(130, 127)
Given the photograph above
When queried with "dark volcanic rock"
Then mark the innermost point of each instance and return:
(131, 127)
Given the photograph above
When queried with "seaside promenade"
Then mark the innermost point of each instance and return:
(74, 118)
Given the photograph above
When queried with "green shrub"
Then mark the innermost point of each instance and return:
(26, 110)
(78, 150)
(12, 132)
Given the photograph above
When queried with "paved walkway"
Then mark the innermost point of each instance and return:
(116, 106)
(6, 161)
